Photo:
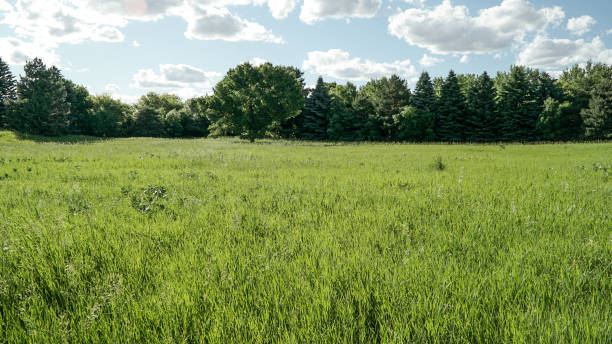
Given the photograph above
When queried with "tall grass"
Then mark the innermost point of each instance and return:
(216, 241)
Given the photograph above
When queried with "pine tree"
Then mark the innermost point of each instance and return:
(315, 117)
(517, 106)
(8, 92)
(481, 111)
(598, 116)
(451, 124)
(42, 107)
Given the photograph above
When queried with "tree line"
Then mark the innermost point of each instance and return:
(254, 102)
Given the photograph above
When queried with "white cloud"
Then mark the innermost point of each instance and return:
(464, 59)
(448, 29)
(281, 8)
(108, 34)
(112, 87)
(316, 10)
(16, 51)
(180, 79)
(609, 32)
(550, 53)
(219, 23)
(338, 64)
(580, 25)
(56, 22)
(419, 3)
(430, 61)
(135, 44)
(125, 98)
(257, 61)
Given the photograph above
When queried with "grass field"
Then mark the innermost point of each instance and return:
(215, 241)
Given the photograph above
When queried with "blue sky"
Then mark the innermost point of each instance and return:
(130, 47)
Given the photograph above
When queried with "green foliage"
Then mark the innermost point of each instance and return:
(8, 91)
(388, 96)
(80, 102)
(293, 242)
(148, 122)
(518, 109)
(271, 101)
(150, 200)
(451, 120)
(42, 108)
(415, 125)
(558, 121)
(315, 116)
(163, 103)
(251, 101)
(481, 114)
(598, 116)
(424, 98)
(109, 117)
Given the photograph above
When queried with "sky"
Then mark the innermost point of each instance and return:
(127, 48)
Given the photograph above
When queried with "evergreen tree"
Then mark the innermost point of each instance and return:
(8, 91)
(598, 116)
(424, 97)
(517, 107)
(315, 117)
(42, 107)
(481, 111)
(451, 124)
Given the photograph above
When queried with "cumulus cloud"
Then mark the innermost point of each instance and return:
(316, 10)
(448, 29)
(219, 23)
(281, 8)
(580, 25)
(57, 22)
(430, 61)
(16, 51)
(338, 64)
(548, 53)
(180, 79)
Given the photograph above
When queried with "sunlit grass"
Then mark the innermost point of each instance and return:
(197, 241)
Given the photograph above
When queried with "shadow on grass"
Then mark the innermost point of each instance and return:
(66, 139)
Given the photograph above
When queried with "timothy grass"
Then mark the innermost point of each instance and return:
(216, 241)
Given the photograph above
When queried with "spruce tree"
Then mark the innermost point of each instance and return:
(315, 117)
(42, 107)
(517, 106)
(8, 92)
(481, 111)
(424, 97)
(451, 124)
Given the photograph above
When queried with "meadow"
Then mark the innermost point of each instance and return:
(218, 240)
